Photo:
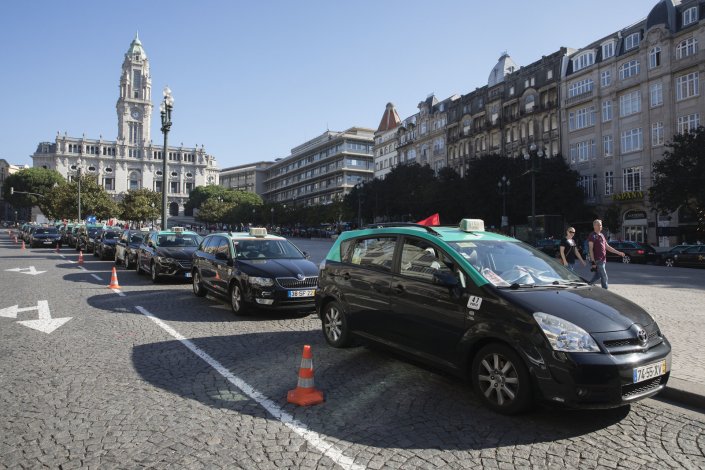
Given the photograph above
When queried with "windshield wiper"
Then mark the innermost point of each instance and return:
(516, 285)
(570, 283)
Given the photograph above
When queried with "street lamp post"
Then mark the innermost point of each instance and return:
(79, 194)
(503, 187)
(253, 216)
(272, 211)
(534, 155)
(165, 108)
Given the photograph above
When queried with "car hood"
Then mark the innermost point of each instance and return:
(278, 267)
(181, 252)
(594, 309)
(46, 235)
(109, 241)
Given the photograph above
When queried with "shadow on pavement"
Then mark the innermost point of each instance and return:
(371, 398)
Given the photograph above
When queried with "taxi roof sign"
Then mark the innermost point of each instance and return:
(472, 225)
(177, 229)
(258, 231)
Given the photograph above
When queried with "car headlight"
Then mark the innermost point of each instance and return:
(261, 281)
(565, 336)
(165, 260)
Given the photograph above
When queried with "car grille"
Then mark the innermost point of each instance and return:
(633, 390)
(616, 343)
(631, 344)
(294, 283)
(186, 264)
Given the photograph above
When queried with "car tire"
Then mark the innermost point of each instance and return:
(153, 272)
(626, 259)
(501, 379)
(335, 325)
(237, 302)
(198, 289)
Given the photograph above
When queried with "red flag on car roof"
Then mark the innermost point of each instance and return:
(435, 219)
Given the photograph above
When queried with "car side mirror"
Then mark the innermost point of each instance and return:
(445, 279)
(221, 256)
(307, 255)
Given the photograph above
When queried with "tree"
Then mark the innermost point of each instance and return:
(139, 205)
(37, 180)
(679, 178)
(201, 194)
(63, 200)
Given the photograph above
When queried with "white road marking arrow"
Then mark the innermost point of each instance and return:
(45, 323)
(29, 270)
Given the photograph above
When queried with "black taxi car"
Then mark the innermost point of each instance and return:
(488, 307)
(693, 256)
(167, 253)
(127, 246)
(254, 269)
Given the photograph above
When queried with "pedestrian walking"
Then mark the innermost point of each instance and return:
(569, 250)
(598, 248)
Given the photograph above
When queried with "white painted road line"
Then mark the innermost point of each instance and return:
(118, 292)
(312, 437)
(96, 276)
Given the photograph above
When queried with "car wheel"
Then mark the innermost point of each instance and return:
(335, 325)
(501, 379)
(153, 272)
(670, 262)
(198, 289)
(626, 259)
(237, 303)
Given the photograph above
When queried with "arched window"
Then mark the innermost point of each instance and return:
(174, 208)
(529, 103)
(134, 181)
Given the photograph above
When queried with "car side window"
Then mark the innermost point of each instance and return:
(209, 245)
(374, 252)
(221, 246)
(421, 260)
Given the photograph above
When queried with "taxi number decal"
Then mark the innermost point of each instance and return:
(474, 302)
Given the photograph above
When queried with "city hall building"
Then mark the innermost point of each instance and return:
(132, 161)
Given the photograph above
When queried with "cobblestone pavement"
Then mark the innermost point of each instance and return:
(112, 389)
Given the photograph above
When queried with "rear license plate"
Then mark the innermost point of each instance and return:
(302, 293)
(650, 371)
(187, 274)
(47, 242)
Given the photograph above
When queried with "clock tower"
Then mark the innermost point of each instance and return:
(134, 107)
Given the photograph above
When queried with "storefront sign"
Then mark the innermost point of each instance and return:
(631, 215)
(628, 196)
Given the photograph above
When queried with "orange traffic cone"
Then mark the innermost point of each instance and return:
(305, 394)
(80, 258)
(113, 280)
(57, 247)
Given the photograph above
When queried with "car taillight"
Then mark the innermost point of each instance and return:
(639, 252)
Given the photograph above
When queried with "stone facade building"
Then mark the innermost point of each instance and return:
(385, 148)
(624, 97)
(132, 161)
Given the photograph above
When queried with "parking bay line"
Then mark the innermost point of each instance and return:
(312, 437)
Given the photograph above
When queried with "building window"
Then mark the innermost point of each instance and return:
(687, 86)
(549, 75)
(580, 87)
(630, 103)
(632, 178)
(632, 41)
(632, 140)
(607, 145)
(529, 103)
(606, 110)
(657, 133)
(109, 184)
(605, 78)
(134, 181)
(688, 123)
(686, 48)
(582, 118)
(654, 57)
(582, 151)
(629, 69)
(690, 16)
(608, 50)
(656, 94)
(583, 60)
(609, 183)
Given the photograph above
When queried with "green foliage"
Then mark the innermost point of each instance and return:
(679, 178)
(63, 200)
(139, 205)
(36, 180)
(223, 205)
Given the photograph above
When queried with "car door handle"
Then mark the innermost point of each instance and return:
(399, 289)
(346, 276)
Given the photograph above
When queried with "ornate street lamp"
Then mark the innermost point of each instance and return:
(534, 155)
(503, 187)
(165, 108)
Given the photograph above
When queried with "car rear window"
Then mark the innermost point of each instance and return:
(375, 252)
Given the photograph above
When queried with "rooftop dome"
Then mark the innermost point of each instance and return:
(504, 67)
(664, 13)
(136, 48)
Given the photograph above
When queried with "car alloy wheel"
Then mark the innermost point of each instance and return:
(335, 326)
(236, 301)
(670, 262)
(501, 379)
(153, 272)
(198, 289)
(626, 259)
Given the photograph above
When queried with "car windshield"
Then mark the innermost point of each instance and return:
(178, 240)
(41, 231)
(266, 249)
(136, 238)
(111, 235)
(514, 264)
(92, 231)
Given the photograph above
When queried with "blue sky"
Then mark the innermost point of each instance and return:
(253, 79)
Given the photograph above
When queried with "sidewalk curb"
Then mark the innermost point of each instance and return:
(685, 392)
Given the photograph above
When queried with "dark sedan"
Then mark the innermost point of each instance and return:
(105, 245)
(44, 236)
(167, 253)
(255, 270)
(127, 247)
(693, 256)
(634, 252)
(667, 258)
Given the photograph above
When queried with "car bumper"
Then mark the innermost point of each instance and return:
(599, 380)
(280, 299)
(178, 269)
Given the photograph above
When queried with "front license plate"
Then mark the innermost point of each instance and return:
(650, 371)
(47, 242)
(302, 293)
(187, 274)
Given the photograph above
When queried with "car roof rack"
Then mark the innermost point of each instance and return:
(404, 224)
